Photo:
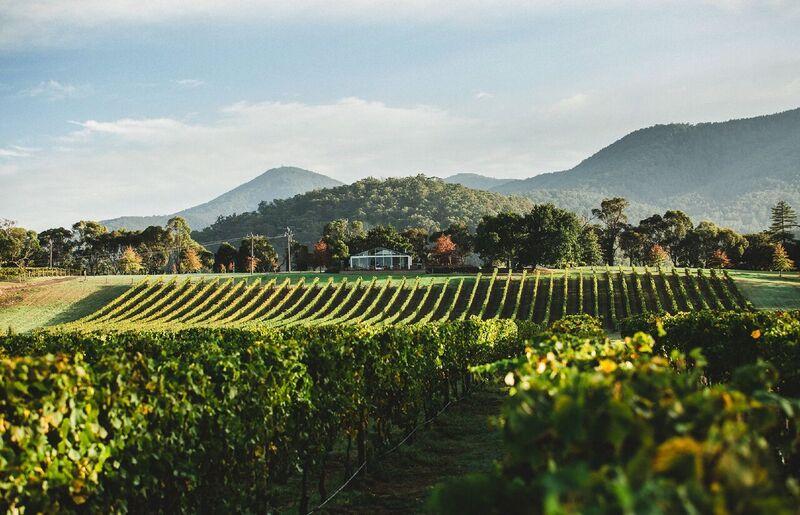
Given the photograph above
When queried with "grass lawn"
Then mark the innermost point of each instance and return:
(43, 301)
(767, 290)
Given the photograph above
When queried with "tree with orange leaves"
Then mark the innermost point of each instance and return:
(444, 248)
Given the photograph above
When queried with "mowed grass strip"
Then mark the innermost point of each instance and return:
(768, 290)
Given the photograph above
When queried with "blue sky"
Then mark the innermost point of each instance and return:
(122, 107)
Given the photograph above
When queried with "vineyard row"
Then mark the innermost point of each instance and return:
(612, 294)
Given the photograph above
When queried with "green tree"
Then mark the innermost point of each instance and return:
(550, 236)
(17, 245)
(759, 251)
(180, 234)
(784, 219)
(90, 245)
(59, 240)
(259, 249)
(418, 238)
(337, 233)
(781, 261)
(589, 246)
(301, 257)
(384, 236)
(676, 225)
(635, 245)
(226, 256)
(703, 241)
(499, 238)
(612, 215)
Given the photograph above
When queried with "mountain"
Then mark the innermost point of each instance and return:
(476, 181)
(417, 201)
(728, 172)
(277, 183)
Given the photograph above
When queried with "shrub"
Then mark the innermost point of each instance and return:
(730, 339)
(584, 326)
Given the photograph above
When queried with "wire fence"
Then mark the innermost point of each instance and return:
(383, 455)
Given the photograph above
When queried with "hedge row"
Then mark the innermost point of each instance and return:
(599, 426)
(730, 339)
(214, 420)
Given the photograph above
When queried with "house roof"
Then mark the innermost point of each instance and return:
(382, 251)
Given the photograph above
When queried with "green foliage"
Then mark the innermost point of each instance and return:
(582, 326)
(598, 426)
(379, 236)
(545, 235)
(729, 340)
(17, 245)
(612, 215)
(591, 253)
(784, 222)
(214, 420)
(258, 252)
(226, 258)
(498, 238)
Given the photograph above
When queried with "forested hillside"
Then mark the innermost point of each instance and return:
(401, 202)
(283, 182)
(729, 172)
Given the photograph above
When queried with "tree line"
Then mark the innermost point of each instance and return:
(90, 247)
(544, 236)
(548, 235)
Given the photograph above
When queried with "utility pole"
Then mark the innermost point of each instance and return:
(288, 249)
(51, 252)
(252, 254)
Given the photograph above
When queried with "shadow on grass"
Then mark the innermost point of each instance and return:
(88, 304)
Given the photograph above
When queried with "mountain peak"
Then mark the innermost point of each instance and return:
(276, 183)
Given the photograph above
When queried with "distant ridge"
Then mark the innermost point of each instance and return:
(476, 181)
(728, 172)
(277, 183)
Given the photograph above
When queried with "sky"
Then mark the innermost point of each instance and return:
(140, 107)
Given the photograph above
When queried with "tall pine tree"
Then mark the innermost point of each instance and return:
(784, 219)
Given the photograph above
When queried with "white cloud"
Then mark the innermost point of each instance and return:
(17, 151)
(483, 95)
(571, 103)
(189, 83)
(55, 90)
(129, 128)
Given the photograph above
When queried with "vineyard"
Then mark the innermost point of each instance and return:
(540, 297)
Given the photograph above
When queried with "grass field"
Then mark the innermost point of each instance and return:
(767, 290)
(48, 301)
